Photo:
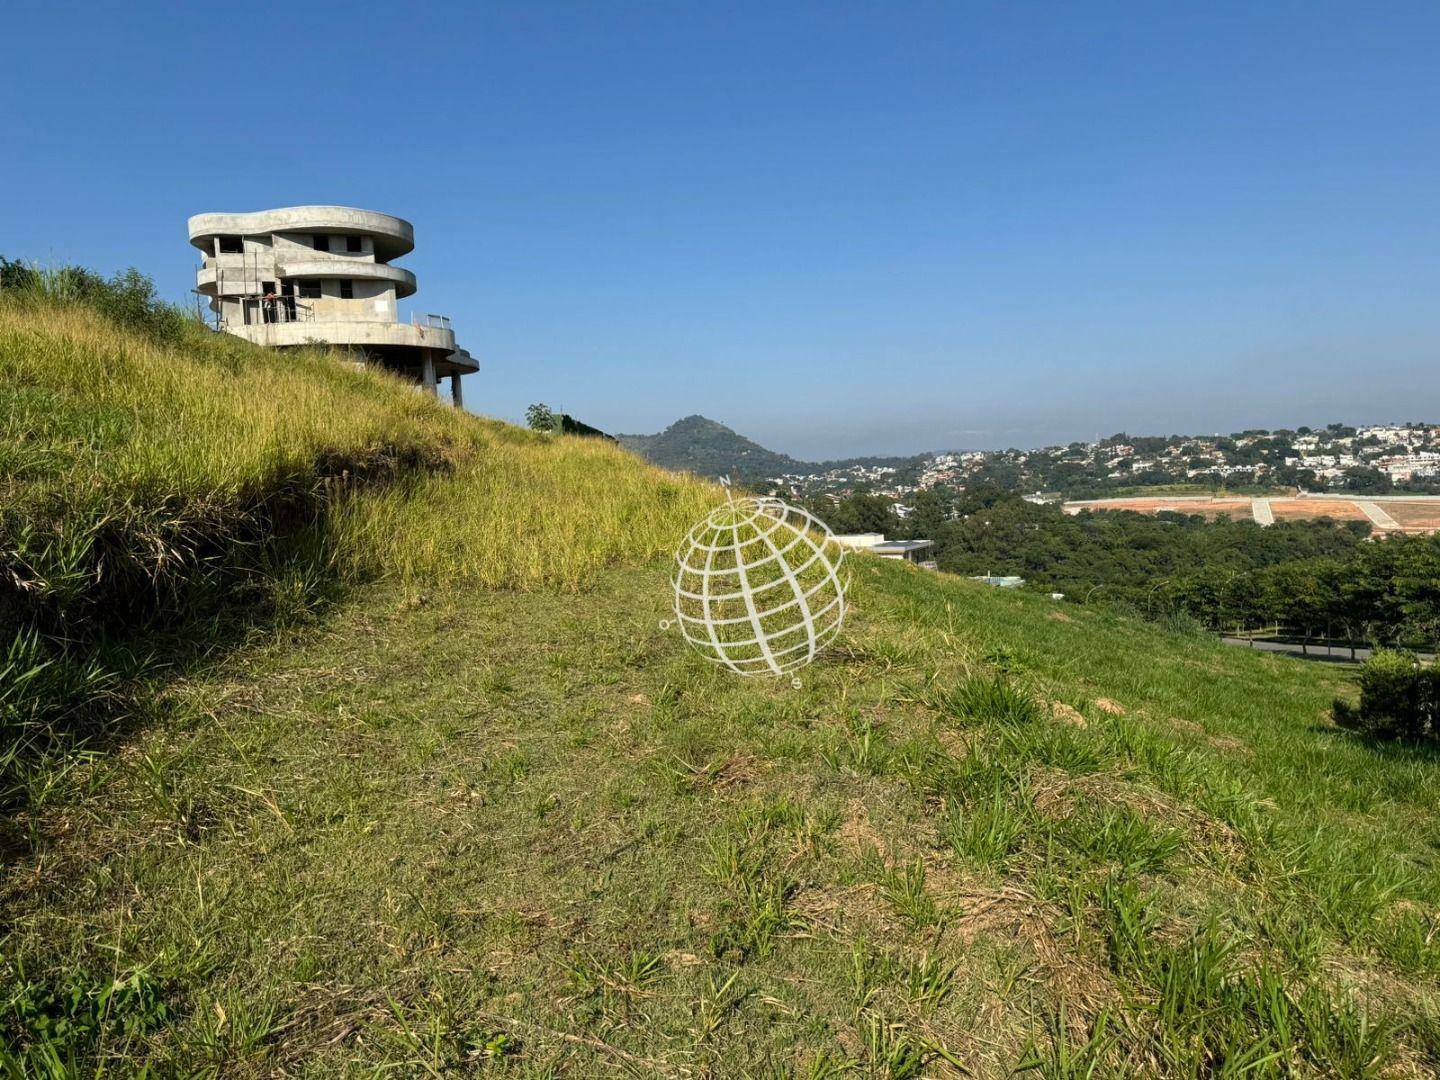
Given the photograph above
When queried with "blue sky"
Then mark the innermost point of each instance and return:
(839, 228)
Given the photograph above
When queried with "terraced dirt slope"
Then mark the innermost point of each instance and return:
(1396, 513)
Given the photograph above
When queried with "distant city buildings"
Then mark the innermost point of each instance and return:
(1334, 459)
(1409, 466)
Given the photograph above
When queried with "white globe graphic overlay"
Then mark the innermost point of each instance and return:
(758, 588)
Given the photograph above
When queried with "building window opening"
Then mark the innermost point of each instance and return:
(230, 245)
(347, 289)
(287, 300)
(322, 242)
(310, 290)
(352, 245)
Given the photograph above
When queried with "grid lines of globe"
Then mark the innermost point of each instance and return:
(758, 588)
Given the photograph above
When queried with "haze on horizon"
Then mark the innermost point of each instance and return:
(839, 229)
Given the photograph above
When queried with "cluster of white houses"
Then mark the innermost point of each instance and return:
(305, 274)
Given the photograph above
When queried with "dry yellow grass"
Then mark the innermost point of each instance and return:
(520, 511)
(93, 406)
(96, 416)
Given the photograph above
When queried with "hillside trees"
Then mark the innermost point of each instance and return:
(1315, 578)
(1129, 553)
(1367, 480)
(860, 512)
(1387, 592)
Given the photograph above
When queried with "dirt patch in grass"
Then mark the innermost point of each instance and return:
(1307, 509)
(1068, 714)
(856, 831)
(1008, 912)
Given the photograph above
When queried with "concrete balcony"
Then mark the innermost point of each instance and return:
(346, 333)
(268, 256)
(336, 266)
(460, 360)
(215, 277)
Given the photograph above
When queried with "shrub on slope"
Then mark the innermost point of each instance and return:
(1399, 699)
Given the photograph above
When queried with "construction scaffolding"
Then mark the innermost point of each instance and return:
(242, 294)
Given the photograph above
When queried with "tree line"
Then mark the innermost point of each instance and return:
(1385, 593)
(1312, 579)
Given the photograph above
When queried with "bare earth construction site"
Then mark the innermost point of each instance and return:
(1418, 514)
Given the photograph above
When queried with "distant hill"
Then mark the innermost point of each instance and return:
(707, 447)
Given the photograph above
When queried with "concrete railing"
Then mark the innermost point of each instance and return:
(281, 309)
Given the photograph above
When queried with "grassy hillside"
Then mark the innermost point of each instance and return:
(164, 491)
(476, 812)
(101, 424)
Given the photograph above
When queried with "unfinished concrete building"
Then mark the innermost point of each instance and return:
(304, 274)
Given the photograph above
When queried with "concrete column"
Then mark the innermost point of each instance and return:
(427, 373)
(456, 396)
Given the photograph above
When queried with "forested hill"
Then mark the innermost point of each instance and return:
(707, 447)
(700, 445)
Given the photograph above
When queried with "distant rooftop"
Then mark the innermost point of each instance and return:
(859, 540)
(900, 546)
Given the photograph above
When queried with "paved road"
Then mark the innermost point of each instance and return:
(1261, 511)
(1381, 519)
(1336, 653)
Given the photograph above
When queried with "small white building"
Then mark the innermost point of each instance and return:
(911, 551)
(859, 541)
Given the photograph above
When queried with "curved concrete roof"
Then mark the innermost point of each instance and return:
(393, 236)
(462, 360)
